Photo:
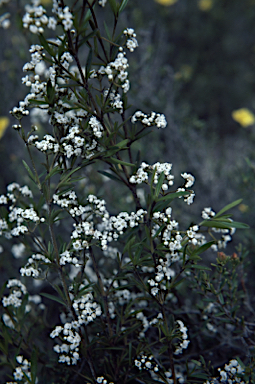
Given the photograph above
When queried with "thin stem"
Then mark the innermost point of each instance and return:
(103, 292)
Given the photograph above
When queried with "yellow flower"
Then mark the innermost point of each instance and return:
(244, 117)
(4, 122)
(243, 208)
(166, 2)
(205, 5)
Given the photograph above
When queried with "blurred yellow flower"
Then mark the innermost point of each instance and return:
(4, 122)
(243, 208)
(205, 5)
(166, 2)
(244, 117)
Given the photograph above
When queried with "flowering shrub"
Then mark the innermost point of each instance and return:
(130, 296)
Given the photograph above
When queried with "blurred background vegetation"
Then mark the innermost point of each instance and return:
(195, 63)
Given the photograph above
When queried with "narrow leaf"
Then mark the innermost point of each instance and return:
(117, 161)
(221, 298)
(229, 206)
(172, 196)
(203, 248)
(113, 6)
(110, 175)
(159, 185)
(88, 63)
(224, 224)
(28, 170)
(123, 5)
(54, 298)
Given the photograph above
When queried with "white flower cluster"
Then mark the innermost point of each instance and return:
(23, 371)
(96, 126)
(231, 374)
(194, 237)
(36, 19)
(146, 323)
(170, 239)
(73, 144)
(116, 71)
(190, 179)
(66, 199)
(32, 266)
(24, 191)
(168, 377)
(69, 353)
(163, 273)
(108, 230)
(146, 362)
(86, 309)
(102, 2)
(18, 250)
(132, 42)
(115, 99)
(38, 87)
(101, 379)
(47, 144)
(66, 258)
(208, 213)
(142, 174)
(20, 215)
(226, 234)
(17, 289)
(189, 198)
(64, 15)
(17, 214)
(157, 119)
(226, 237)
(4, 20)
(184, 344)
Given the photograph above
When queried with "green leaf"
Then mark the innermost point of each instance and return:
(88, 63)
(54, 298)
(33, 366)
(203, 248)
(50, 92)
(224, 224)
(219, 314)
(53, 172)
(107, 31)
(159, 184)
(123, 5)
(113, 6)
(38, 102)
(122, 143)
(28, 170)
(227, 207)
(171, 196)
(159, 230)
(110, 175)
(66, 176)
(86, 38)
(46, 46)
(221, 298)
(117, 161)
